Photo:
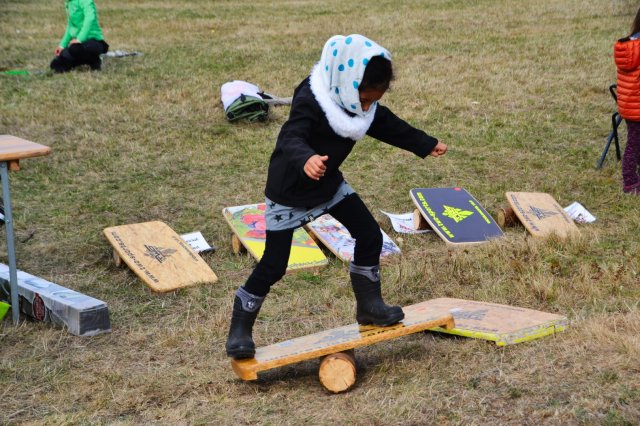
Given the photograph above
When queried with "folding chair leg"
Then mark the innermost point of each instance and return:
(604, 152)
(613, 136)
(616, 120)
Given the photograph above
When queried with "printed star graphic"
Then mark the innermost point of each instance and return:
(278, 217)
(455, 213)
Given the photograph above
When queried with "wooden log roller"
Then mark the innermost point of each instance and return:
(419, 223)
(236, 245)
(506, 217)
(338, 371)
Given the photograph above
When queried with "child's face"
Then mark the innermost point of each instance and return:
(369, 96)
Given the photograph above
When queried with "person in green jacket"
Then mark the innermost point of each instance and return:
(82, 43)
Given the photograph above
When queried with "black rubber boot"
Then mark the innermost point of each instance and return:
(240, 341)
(371, 309)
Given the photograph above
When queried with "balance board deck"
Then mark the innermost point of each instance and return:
(502, 324)
(418, 317)
(338, 240)
(248, 223)
(455, 215)
(541, 215)
(159, 256)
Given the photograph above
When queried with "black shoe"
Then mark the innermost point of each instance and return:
(371, 309)
(96, 66)
(240, 342)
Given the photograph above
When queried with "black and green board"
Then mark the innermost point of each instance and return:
(455, 215)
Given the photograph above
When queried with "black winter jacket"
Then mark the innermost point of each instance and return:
(307, 132)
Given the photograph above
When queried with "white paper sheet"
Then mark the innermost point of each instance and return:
(197, 242)
(578, 213)
(403, 223)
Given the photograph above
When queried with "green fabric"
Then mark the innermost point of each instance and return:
(15, 72)
(249, 108)
(82, 22)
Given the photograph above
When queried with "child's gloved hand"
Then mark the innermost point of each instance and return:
(440, 149)
(314, 167)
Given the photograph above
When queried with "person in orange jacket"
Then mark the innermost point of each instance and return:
(627, 59)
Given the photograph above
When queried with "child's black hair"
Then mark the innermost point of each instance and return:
(378, 74)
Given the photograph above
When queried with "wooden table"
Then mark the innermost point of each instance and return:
(12, 150)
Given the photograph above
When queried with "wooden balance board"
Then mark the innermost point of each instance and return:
(454, 215)
(539, 213)
(335, 236)
(502, 324)
(158, 256)
(249, 233)
(337, 369)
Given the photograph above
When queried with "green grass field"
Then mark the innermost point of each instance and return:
(518, 90)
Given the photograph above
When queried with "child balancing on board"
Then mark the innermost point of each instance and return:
(627, 58)
(333, 108)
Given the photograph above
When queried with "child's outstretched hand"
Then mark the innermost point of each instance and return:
(314, 167)
(439, 150)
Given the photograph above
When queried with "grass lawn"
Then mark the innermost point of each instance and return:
(519, 92)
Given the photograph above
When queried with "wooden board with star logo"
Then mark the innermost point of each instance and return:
(453, 214)
(158, 256)
(502, 324)
(539, 213)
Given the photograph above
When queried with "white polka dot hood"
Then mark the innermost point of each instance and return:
(335, 80)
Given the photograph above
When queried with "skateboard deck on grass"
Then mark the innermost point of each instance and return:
(337, 238)
(540, 214)
(158, 256)
(249, 228)
(455, 215)
(503, 324)
(418, 317)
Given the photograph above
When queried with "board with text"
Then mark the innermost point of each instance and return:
(455, 215)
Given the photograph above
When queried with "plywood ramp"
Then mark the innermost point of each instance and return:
(158, 256)
(502, 324)
(541, 214)
(328, 231)
(454, 215)
(249, 232)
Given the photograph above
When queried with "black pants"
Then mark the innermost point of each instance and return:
(351, 212)
(87, 53)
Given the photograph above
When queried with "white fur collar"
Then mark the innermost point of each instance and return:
(342, 123)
